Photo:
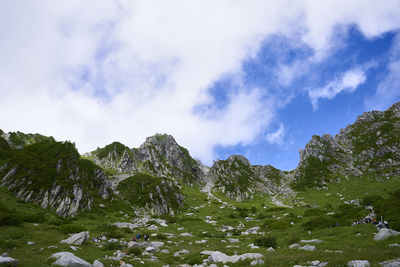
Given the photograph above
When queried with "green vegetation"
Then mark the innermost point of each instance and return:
(44, 164)
(143, 189)
(116, 147)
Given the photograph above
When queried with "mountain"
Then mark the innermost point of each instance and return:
(159, 156)
(52, 174)
(239, 180)
(369, 148)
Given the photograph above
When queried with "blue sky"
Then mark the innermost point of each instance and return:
(255, 78)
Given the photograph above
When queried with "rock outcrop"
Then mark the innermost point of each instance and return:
(158, 195)
(53, 175)
(159, 155)
(369, 148)
(239, 180)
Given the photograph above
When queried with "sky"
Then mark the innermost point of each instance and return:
(255, 78)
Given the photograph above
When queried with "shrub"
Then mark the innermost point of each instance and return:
(313, 212)
(253, 209)
(266, 241)
(70, 228)
(318, 222)
(9, 219)
(112, 246)
(193, 259)
(109, 230)
(135, 251)
(34, 218)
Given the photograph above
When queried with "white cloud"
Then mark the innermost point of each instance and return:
(348, 82)
(98, 71)
(388, 89)
(278, 136)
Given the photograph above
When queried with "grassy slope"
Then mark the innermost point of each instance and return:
(50, 231)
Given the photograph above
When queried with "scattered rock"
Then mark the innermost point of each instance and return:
(68, 259)
(77, 239)
(30, 243)
(183, 251)
(217, 256)
(391, 263)
(253, 230)
(165, 251)
(102, 205)
(233, 240)
(150, 249)
(311, 241)
(186, 234)
(295, 245)
(270, 249)
(384, 233)
(8, 261)
(201, 241)
(256, 262)
(394, 245)
(358, 263)
(97, 263)
(307, 248)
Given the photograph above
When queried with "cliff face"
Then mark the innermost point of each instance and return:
(370, 148)
(239, 180)
(53, 175)
(159, 156)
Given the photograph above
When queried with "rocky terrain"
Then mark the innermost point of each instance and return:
(157, 206)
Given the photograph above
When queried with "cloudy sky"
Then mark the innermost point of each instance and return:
(256, 78)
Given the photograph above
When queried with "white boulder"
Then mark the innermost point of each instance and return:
(358, 263)
(8, 261)
(307, 248)
(77, 239)
(68, 259)
(391, 263)
(384, 233)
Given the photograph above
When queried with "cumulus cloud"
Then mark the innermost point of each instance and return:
(347, 82)
(98, 71)
(278, 136)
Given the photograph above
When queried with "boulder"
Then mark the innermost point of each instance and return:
(77, 239)
(253, 230)
(384, 233)
(311, 241)
(295, 245)
(307, 248)
(8, 261)
(391, 263)
(358, 263)
(217, 256)
(97, 263)
(68, 259)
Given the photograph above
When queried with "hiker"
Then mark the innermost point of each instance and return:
(133, 238)
(374, 221)
(380, 225)
(146, 237)
(138, 236)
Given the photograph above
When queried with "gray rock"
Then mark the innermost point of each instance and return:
(384, 233)
(150, 249)
(256, 262)
(68, 259)
(270, 249)
(183, 251)
(391, 263)
(77, 239)
(307, 248)
(358, 263)
(217, 256)
(8, 261)
(295, 245)
(311, 241)
(97, 263)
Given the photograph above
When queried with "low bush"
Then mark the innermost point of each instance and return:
(110, 231)
(112, 246)
(71, 228)
(314, 212)
(318, 222)
(266, 241)
(9, 219)
(135, 251)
